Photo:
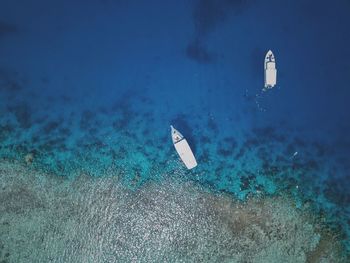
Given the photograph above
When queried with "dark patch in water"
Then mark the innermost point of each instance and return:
(41, 119)
(310, 165)
(299, 142)
(66, 99)
(264, 132)
(262, 153)
(22, 113)
(93, 131)
(291, 149)
(22, 147)
(182, 126)
(51, 126)
(46, 148)
(337, 191)
(204, 157)
(65, 132)
(268, 134)
(258, 56)
(280, 138)
(121, 152)
(130, 134)
(197, 52)
(270, 170)
(123, 106)
(224, 153)
(320, 149)
(5, 131)
(281, 159)
(251, 143)
(147, 115)
(212, 125)
(103, 110)
(8, 84)
(205, 139)
(7, 29)
(86, 119)
(240, 154)
(226, 147)
(53, 144)
(147, 101)
(45, 80)
(208, 14)
(145, 132)
(164, 139)
(218, 172)
(35, 138)
(120, 124)
(245, 182)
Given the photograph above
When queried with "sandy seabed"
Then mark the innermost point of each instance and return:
(47, 218)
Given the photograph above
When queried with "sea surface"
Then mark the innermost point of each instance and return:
(89, 89)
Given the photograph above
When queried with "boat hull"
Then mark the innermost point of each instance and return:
(270, 70)
(186, 154)
(270, 78)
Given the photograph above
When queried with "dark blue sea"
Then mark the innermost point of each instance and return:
(88, 170)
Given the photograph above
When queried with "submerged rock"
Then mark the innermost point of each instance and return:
(29, 158)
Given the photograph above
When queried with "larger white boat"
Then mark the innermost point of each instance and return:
(183, 149)
(270, 70)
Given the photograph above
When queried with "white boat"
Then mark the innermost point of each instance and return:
(270, 70)
(183, 149)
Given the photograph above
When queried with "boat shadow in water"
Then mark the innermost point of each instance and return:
(186, 130)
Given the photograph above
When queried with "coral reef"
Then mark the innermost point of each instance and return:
(49, 218)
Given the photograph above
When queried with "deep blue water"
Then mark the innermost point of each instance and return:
(89, 85)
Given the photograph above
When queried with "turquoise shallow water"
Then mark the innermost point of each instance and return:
(88, 93)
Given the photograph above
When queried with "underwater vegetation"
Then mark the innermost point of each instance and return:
(99, 220)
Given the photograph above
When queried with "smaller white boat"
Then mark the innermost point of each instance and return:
(183, 149)
(270, 70)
